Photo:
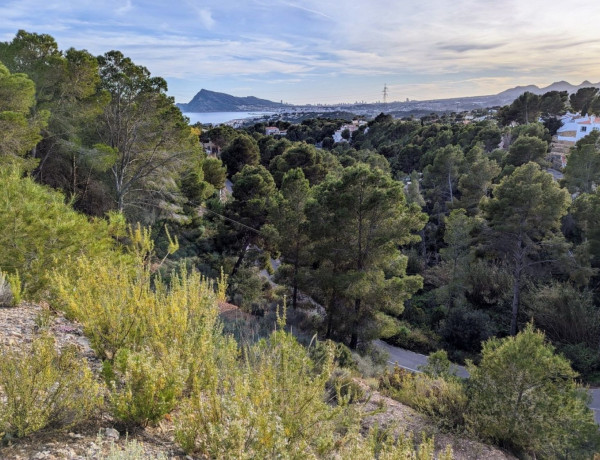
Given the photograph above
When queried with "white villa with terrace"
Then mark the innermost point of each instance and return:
(576, 127)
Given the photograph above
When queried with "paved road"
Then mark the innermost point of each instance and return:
(556, 174)
(411, 361)
(595, 404)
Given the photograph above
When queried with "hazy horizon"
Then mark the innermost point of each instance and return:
(320, 52)
(412, 100)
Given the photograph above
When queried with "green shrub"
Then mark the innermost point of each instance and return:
(416, 339)
(43, 319)
(16, 287)
(383, 445)
(524, 396)
(584, 359)
(159, 340)
(132, 450)
(42, 388)
(272, 405)
(246, 290)
(466, 329)
(371, 361)
(10, 289)
(367, 367)
(38, 232)
(438, 365)
(566, 314)
(443, 399)
(6, 296)
(343, 388)
(145, 387)
(123, 307)
(319, 351)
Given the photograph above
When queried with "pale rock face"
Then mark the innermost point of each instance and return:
(19, 326)
(111, 433)
(6, 295)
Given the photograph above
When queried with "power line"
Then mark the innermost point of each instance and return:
(203, 208)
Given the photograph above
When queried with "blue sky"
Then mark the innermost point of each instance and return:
(323, 51)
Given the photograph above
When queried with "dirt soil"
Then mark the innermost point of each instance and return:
(408, 422)
(97, 438)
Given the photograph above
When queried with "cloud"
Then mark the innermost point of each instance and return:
(206, 18)
(470, 46)
(463, 48)
(308, 10)
(126, 8)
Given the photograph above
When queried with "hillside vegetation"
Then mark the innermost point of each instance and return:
(433, 234)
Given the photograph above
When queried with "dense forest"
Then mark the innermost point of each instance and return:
(434, 234)
(431, 233)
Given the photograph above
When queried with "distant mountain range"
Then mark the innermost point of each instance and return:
(515, 92)
(211, 101)
(477, 102)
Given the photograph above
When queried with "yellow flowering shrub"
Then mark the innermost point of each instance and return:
(40, 386)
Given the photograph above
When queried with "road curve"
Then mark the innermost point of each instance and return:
(411, 361)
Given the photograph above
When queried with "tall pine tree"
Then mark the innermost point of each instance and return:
(359, 221)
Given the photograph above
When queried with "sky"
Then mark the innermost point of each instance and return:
(326, 51)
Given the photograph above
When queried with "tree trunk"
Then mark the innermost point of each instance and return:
(518, 259)
(74, 176)
(240, 259)
(515, 304)
(295, 279)
(359, 267)
(355, 325)
(295, 295)
(516, 293)
(120, 202)
(329, 332)
(354, 341)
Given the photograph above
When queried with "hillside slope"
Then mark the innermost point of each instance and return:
(98, 438)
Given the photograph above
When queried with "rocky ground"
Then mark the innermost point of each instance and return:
(99, 439)
(408, 422)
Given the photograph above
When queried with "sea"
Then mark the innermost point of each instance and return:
(221, 117)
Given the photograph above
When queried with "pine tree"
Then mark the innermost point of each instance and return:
(289, 218)
(359, 221)
(524, 221)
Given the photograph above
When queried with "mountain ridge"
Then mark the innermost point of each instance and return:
(212, 101)
(556, 86)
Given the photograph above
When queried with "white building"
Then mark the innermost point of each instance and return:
(576, 127)
(272, 130)
(351, 127)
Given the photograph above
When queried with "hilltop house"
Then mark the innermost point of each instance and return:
(351, 127)
(211, 149)
(576, 127)
(275, 131)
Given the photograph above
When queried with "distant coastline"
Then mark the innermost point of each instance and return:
(216, 118)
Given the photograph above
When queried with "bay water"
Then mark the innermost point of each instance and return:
(216, 118)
